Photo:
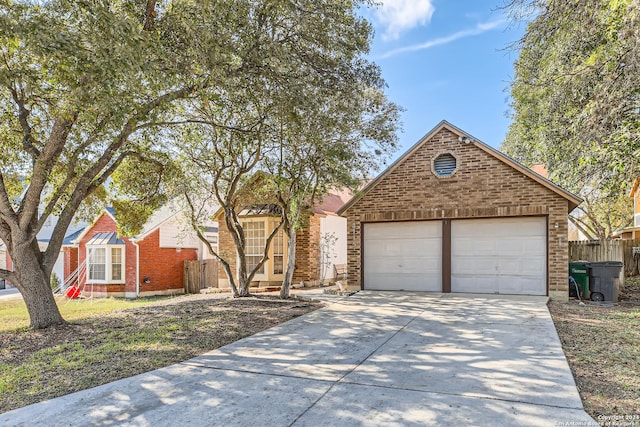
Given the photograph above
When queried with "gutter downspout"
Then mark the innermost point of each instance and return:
(135, 243)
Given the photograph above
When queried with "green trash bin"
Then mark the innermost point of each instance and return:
(579, 270)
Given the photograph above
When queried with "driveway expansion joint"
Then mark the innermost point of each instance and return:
(247, 371)
(469, 396)
(356, 367)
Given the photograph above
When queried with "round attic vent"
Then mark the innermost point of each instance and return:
(444, 165)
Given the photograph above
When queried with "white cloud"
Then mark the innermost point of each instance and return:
(398, 16)
(478, 29)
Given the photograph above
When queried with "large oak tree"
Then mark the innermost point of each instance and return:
(84, 85)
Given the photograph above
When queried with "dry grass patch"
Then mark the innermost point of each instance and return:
(36, 365)
(14, 315)
(602, 345)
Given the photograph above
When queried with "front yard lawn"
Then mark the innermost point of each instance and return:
(36, 365)
(602, 345)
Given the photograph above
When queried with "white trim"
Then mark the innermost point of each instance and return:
(108, 264)
(135, 243)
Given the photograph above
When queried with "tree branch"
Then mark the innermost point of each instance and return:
(150, 15)
(7, 275)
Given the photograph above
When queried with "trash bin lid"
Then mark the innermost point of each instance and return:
(579, 263)
(606, 264)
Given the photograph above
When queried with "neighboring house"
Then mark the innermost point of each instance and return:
(455, 215)
(103, 263)
(320, 244)
(43, 241)
(632, 233)
(45, 235)
(3, 256)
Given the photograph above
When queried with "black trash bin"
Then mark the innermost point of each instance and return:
(604, 280)
(3, 284)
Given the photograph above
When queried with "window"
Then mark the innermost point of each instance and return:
(254, 244)
(105, 264)
(116, 263)
(444, 165)
(97, 260)
(278, 252)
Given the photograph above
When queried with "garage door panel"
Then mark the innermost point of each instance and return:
(475, 284)
(403, 256)
(471, 248)
(528, 285)
(393, 265)
(395, 230)
(398, 248)
(502, 255)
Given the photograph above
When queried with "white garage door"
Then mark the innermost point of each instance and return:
(403, 256)
(504, 256)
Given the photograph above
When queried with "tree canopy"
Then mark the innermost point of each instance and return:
(88, 88)
(576, 96)
(317, 117)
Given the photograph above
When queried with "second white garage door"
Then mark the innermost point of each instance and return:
(403, 256)
(503, 256)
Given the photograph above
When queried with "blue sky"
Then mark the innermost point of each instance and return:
(446, 59)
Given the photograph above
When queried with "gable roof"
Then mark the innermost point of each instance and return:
(261, 209)
(159, 217)
(75, 238)
(573, 200)
(332, 202)
(69, 239)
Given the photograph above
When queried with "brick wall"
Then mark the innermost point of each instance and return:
(482, 186)
(226, 250)
(163, 266)
(70, 261)
(308, 251)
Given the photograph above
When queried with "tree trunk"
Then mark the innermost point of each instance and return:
(33, 284)
(243, 288)
(291, 265)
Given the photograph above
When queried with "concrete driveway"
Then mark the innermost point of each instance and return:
(376, 358)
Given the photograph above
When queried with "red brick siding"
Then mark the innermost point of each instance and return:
(70, 261)
(482, 186)
(163, 266)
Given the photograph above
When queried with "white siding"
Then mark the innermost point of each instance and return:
(333, 244)
(58, 267)
(175, 233)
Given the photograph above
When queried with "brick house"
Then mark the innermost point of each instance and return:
(103, 263)
(455, 215)
(633, 232)
(320, 243)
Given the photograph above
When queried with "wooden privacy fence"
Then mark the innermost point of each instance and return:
(608, 250)
(199, 275)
